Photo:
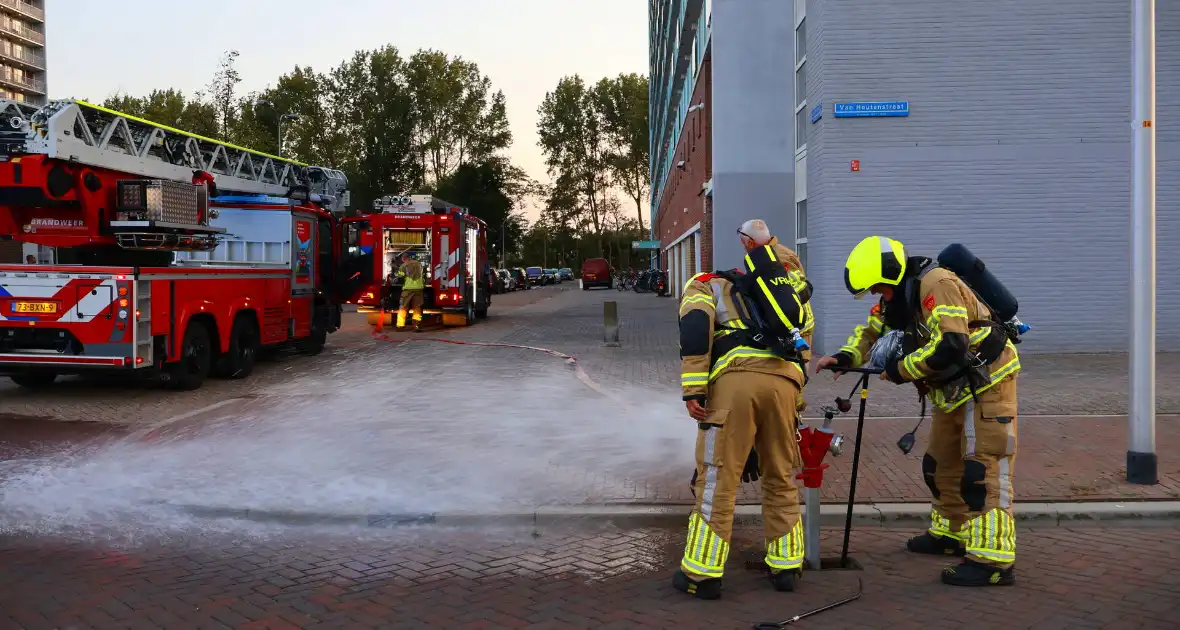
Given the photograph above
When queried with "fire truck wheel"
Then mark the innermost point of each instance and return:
(239, 360)
(481, 313)
(34, 380)
(196, 357)
(316, 342)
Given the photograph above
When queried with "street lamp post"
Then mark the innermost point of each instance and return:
(502, 241)
(287, 116)
(1142, 464)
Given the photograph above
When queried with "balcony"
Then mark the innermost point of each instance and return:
(23, 32)
(24, 8)
(23, 82)
(27, 57)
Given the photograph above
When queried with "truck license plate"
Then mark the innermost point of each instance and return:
(34, 307)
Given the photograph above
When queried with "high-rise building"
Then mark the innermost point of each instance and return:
(1004, 126)
(22, 51)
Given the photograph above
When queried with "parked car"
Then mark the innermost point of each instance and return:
(596, 272)
(536, 276)
(551, 275)
(565, 273)
(506, 279)
(521, 278)
(495, 282)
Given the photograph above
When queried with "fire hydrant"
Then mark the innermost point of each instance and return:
(814, 444)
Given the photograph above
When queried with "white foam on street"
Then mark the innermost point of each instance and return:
(435, 429)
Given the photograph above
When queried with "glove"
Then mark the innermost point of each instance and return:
(893, 373)
(751, 472)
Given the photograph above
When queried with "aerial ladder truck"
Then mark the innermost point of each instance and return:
(177, 255)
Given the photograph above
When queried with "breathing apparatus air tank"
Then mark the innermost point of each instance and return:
(769, 287)
(958, 259)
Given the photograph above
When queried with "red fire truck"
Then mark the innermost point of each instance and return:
(450, 243)
(177, 255)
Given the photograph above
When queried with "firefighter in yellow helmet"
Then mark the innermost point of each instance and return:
(955, 350)
(411, 270)
(741, 373)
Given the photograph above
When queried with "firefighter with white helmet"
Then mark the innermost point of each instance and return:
(955, 350)
(742, 348)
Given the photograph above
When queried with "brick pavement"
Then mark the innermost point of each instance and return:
(1073, 384)
(1085, 578)
(1061, 458)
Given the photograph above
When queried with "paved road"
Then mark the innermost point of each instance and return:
(94, 400)
(90, 537)
(493, 427)
(1088, 578)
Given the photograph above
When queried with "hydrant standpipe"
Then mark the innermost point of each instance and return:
(863, 383)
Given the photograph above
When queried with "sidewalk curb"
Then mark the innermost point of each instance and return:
(1100, 514)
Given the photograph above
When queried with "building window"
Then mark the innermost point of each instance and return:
(801, 86)
(801, 127)
(801, 41)
(801, 231)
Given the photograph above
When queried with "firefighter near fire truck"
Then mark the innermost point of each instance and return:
(958, 344)
(179, 256)
(448, 242)
(412, 284)
(741, 374)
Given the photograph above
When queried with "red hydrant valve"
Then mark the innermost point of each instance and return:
(813, 445)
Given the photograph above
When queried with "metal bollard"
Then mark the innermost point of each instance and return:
(610, 324)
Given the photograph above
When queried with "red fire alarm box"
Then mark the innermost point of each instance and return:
(855, 166)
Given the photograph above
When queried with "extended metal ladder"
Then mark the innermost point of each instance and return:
(104, 138)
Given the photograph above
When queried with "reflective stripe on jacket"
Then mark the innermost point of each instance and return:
(412, 272)
(946, 305)
(709, 315)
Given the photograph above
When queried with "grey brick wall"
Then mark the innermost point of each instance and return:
(1017, 145)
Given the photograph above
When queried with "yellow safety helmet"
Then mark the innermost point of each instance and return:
(875, 260)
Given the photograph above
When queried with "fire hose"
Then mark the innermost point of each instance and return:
(570, 360)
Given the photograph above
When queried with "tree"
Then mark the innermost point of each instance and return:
(573, 139)
(459, 119)
(222, 92)
(485, 189)
(313, 138)
(622, 102)
(168, 107)
(374, 114)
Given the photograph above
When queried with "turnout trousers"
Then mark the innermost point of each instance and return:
(968, 468)
(412, 299)
(748, 410)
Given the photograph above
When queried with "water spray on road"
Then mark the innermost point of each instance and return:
(425, 429)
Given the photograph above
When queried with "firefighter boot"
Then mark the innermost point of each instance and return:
(784, 581)
(970, 573)
(709, 588)
(929, 544)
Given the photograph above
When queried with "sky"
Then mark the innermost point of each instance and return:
(96, 49)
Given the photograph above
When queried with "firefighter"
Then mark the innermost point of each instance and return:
(755, 233)
(411, 271)
(968, 366)
(741, 389)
